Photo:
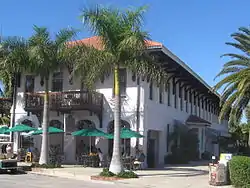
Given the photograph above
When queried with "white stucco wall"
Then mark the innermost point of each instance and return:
(153, 115)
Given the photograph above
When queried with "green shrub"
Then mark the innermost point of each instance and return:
(239, 169)
(106, 173)
(127, 174)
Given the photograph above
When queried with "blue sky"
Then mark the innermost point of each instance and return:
(195, 30)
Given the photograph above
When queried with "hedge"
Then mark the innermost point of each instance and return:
(239, 169)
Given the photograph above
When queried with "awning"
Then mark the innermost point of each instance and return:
(211, 132)
(193, 119)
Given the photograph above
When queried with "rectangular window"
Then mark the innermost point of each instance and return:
(186, 98)
(30, 84)
(175, 100)
(57, 82)
(180, 90)
(161, 93)
(185, 94)
(181, 97)
(18, 79)
(202, 103)
(123, 81)
(199, 112)
(168, 134)
(169, 93)
(191, 101)
(174, 86)
(151, 90)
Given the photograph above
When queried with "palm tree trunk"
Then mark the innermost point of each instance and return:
(44, 147)
(13, 116)
(138, 110)
(116, 165)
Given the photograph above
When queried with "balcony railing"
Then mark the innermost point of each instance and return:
(65, 101)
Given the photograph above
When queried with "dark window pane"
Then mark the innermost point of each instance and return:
(161, 93)
(30, 84)
(57, 81)
(169, 93)
(123, 81)
(151, 91)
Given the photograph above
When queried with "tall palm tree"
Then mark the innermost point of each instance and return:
(14, 59)
(236, 81)
(123, 44)
(48, 55)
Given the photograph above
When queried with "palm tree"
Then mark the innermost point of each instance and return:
(14, 59)
(48, 55)
(123, 44)
(236, 81)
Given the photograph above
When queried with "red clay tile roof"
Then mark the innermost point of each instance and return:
(96, 42)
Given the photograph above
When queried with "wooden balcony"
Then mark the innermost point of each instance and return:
(65, 101)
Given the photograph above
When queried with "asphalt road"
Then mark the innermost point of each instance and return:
(36, 181)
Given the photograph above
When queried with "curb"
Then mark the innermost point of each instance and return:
(73, 177)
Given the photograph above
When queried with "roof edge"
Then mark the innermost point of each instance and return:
(186, 67)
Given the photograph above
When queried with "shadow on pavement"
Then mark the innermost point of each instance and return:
(175, 172)
(19, 172)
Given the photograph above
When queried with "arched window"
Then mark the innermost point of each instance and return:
(85, 124)
(124, 142)
(56, 123)
(28, 122)
(27, 141)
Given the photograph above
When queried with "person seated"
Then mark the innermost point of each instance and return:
(139, 159)
(9, 149)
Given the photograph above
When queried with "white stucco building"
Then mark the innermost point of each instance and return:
(186, 100)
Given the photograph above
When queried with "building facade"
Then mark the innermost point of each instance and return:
(153, 110)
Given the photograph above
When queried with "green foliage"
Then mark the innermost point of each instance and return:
(107, 173)
(122, 42)
(14, 58)
(127, 174)
(184, 148)
(236, 78)
(239, 168)
(5, 120)
(123, 174)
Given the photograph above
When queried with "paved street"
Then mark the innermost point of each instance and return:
(36, 181)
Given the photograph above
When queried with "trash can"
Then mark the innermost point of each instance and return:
(218, 174)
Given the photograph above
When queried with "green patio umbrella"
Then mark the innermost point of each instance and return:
(126, 133)
(3, 130)
(51, 130)
(21, 128)
(91, 132)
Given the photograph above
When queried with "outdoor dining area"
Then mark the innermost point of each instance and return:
(90, 156)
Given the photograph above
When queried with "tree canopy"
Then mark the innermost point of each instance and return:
(235, 84)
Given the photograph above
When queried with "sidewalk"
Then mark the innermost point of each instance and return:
(171, 176)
